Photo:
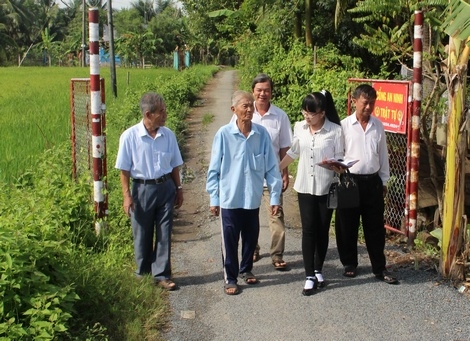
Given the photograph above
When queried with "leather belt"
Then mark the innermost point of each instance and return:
(365, 176)
(156, 181)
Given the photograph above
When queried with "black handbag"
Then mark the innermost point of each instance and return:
(343, 192)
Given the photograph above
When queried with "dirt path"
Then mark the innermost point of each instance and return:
(422, 307)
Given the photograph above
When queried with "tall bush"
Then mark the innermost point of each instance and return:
(296, 71)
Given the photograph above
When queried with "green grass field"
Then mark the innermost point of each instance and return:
(35, 109)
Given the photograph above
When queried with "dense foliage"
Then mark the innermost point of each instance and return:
(45, 32)
(298, 44)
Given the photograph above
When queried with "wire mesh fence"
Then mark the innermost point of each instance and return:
(81, 126)
(395, 207)
(84, 162)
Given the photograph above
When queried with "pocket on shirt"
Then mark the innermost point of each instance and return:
(374, 147)
(163, 160)
(257, 162)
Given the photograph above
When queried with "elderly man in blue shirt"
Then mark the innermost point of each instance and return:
(242, 159)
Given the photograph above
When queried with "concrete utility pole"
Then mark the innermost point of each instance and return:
(83, 59)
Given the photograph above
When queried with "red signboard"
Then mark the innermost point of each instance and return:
(391, 106)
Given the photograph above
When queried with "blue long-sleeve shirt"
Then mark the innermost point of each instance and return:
(239, 166)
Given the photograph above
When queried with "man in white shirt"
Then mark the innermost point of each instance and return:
(364, 140)
(149, 155)
(279, 128)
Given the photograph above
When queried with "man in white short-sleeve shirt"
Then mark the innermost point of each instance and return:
(149, 155)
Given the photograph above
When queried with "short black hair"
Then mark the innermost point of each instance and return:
(261, 78)
(366, 91)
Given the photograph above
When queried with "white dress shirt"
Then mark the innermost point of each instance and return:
(146, 157)
(369, 147)
(311, 149)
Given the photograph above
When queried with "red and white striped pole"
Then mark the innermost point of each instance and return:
(415, 120)
(98, 139)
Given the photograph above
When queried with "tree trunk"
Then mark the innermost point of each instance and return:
(454, 190)
(298, 24)
(308, 23)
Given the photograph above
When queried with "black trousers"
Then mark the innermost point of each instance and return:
(236, 223)
(371, 211)
(315, 218)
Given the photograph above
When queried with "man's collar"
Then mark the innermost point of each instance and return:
(234, 128)
(143, 131)
(269, 111)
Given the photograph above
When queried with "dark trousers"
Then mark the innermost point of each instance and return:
(315, 218)
(371, 210)
(152, 222)
(235, 223)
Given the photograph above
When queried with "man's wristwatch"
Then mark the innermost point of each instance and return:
(179, 187)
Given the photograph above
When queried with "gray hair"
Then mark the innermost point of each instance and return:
(151, 102)
(239, 95)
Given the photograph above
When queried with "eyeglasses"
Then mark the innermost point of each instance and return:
(311, 114)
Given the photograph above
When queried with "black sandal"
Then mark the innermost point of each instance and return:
(350, 271)
(249, 278)
(231, 289)
(387, 277)
(256, 256)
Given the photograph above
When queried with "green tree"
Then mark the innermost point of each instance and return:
(167, 25)
(7, 43)
(135, 48)
(209, 32)
(128, 21)
(145, 9)
(18, 19)
(48, 44)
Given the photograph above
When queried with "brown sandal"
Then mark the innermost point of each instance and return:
(167, 284)
(279, 264)
(256, 256)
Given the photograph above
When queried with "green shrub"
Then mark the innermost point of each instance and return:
(295, 75)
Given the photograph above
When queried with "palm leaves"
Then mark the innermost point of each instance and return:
(457, 23)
